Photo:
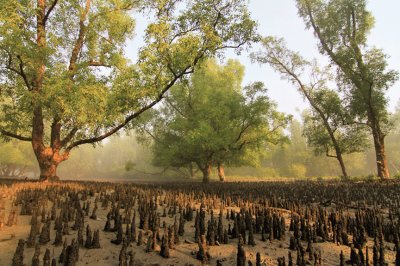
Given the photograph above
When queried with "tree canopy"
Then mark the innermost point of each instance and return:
(342, 29)
(211, 120)
(66, 81)
(330, 126)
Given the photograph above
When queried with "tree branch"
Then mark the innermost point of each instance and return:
(15, 136)
(96, 63)
(22, 72)
(55, 133)
(69, 136)
(49, 11)
(128, 119)
(79, 42)
(151, 134)
(174, 107)
(329, 155)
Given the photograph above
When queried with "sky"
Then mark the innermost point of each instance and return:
(279, 18)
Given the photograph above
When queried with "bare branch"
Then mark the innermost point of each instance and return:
(151, 134)
(22, 73)
(49, 11)
(174, 107)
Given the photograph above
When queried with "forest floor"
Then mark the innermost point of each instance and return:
(183, 254)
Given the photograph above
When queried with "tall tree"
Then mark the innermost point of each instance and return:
(210, 120)
(333, 134)
(329, 126)
(64, 78)
(342, 28)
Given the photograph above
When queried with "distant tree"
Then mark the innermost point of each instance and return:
(210, 120)
(64, 78)
(118, 157)
(342, 28)
(16, 159)
(295, 153)
(329, 127)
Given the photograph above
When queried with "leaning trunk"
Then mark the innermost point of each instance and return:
(221, 172)
(381, 160)
(342, 166)
(206, 173)
(339, 156)
(336, 146)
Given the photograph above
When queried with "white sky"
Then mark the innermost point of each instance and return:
(279, 18)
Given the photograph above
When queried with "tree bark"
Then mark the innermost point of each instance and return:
(338, 151)
(48, 171)
(381, 160)
(206, 173)
(342, 166)
(49, 159)
(221, 172)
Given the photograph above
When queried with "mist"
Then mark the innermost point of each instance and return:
(123, 157)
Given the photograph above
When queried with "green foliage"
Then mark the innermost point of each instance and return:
(342, 28)
(64, 63)
(329, 126)
(350, 136)
(129, 165)
(298, 170)
(16, 158)
(210, 119)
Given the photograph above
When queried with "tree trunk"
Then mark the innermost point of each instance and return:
(206, 173)
(338, 152)
(48, 160)
(48, 171)
(342, 166)
(381, 160)
(191, 170)
(221, 172)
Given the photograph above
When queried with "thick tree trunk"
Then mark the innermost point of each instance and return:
(206, 173)
(48, 171)
(221, 172)
(48, 160)
(381, 160)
